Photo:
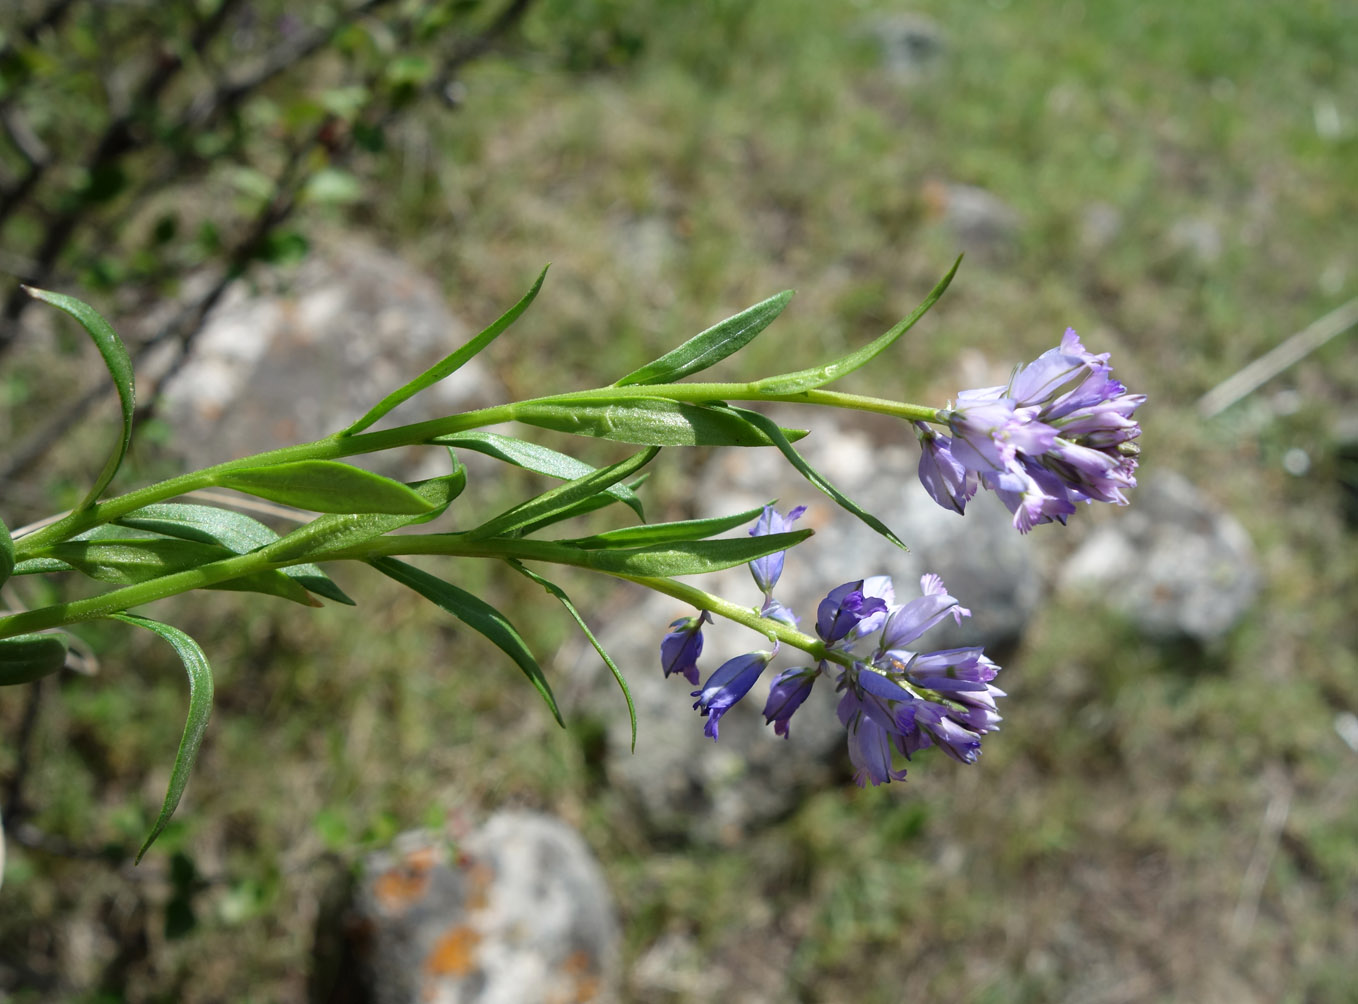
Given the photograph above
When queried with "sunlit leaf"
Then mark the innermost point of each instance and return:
(647, 422)
(477, 614)
(128, 562)
(326, 486)
(535, 458)
(200, 708)
(712, 345)
(335, 532)
(683, 557)
(119, 365)
(667, 533)
(818, 376)
(233, 530)
(561, 498)
(449, 364)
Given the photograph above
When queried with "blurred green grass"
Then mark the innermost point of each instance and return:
(677, 162)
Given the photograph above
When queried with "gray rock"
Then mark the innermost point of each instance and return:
(1197, 237)
(983, 223)
(1173, 563)
(683, 782)
(310, 350)
(518, 911)
(911, 45)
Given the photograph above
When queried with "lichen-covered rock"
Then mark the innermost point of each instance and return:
(517, 911)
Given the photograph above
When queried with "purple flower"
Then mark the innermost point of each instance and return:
(1058, 433)
(908, 622)
(870, 744)
(767, 569)
(732, 681)
(679, 650)
(842, 610)
(787, 692)
(942, 474)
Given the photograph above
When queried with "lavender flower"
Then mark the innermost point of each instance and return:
(766, 570)
(1058, 433)
(732, 681)
(679, 650)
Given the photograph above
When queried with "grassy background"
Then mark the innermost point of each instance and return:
(677, 161)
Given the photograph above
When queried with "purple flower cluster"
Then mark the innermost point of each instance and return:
(894, 697)
(1060, 432)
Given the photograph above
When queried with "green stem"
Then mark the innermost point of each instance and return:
(337, 446)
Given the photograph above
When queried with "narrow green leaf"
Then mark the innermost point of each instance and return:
(200, 707)
(648, 422)
(41, 566)
(6, 554)
(535, 458)
(335, 532)
(233, 530)
(818, 376)
(812, 475)
(448, 365)
(580, 508)
(28, 657)
(119, 365)
(560, 594)
(684, 557)
(561, 498)
(712, 345)
(667, 533)
(128, 562)
(477, 614)
(326, 486)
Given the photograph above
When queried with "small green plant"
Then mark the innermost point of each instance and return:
(1058, 433)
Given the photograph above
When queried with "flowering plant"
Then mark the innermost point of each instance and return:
(1060, 432)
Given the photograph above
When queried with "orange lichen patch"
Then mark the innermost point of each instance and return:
(399, 888)
(580, 968)
(454, 954)
(422, 859)
(479, 878)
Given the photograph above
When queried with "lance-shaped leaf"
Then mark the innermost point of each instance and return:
(684, 557)
(28, 657)
(335, 532)
(119, 365)
(647, 422)
(535, 458)
(477, 614)
(580, 508)
(6, 554)
(128, 562)
(200, 707)
(811, 474)
(233, 530)
(667, 533)
(325, 486)
(560, 594)
(818, 376)
(712, 345)
(448, 365)
(561, 498)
